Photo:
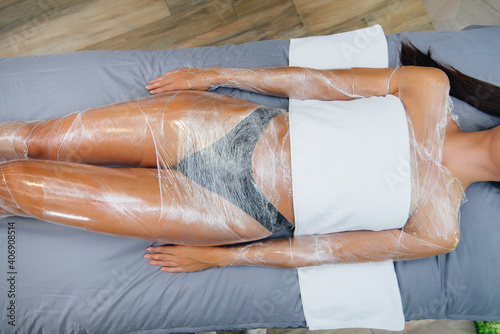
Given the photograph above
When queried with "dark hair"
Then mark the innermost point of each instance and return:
(480, 94)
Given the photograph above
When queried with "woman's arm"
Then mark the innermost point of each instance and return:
(293, 82)
(431, 231)
(304, 251)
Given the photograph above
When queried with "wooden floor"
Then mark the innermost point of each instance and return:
(36, 27)
(412, 327)
(458, 14)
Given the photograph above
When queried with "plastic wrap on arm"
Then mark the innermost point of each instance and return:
(293, 82)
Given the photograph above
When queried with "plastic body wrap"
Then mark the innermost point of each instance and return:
(432, 225)
(161, 196)
(177, 196)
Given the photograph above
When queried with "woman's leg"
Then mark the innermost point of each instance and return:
(153, 131)
(158, 205)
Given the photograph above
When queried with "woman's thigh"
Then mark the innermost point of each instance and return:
(148, 132)
(153, 204)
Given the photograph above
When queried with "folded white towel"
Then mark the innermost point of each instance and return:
(348, 189)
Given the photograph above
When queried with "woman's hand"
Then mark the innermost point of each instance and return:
(184, 79)
(176, 259)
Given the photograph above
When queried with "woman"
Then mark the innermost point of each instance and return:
(167, 201)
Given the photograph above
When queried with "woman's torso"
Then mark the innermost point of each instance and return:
(271, 160)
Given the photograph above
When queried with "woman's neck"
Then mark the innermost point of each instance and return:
(470, 156)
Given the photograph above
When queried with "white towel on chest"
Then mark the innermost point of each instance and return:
(344, 155)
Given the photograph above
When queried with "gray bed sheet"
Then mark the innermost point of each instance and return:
(74, 281)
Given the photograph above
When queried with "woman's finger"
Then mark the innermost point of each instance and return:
(153, 85)
(163, 263)
(157, 91)
(161, 249)
(159, 257)
(158, 84)
(172, 269)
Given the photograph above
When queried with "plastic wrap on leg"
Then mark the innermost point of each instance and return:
(215, 172)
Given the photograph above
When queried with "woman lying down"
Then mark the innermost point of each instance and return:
(201, 170)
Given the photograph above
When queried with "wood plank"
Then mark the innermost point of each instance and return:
(76, 27)
(357, 23)
(15, 13)
(278, 21)
(402, 15)
(173, 5)
(458, 14)
(245, 8)
(321, 16)
(327, 17)
(183, 25)
(5, 3)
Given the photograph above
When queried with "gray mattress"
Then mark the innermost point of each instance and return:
(64, 280)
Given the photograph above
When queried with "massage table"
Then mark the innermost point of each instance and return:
(58, 279)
